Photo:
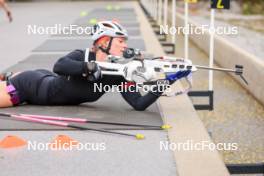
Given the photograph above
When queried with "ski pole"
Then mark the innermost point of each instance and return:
(83, 120)
(64, 124)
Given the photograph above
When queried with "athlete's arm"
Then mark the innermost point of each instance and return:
(140, 103)
(72, 64)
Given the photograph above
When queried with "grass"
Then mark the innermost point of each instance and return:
(250, 7)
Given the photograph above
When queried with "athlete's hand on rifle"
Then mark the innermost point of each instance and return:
(94, 71)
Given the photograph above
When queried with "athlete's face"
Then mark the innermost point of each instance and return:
(118, 46)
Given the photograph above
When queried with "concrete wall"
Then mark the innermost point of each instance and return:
(228, 55)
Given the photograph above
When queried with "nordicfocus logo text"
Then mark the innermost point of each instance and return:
(57, 29)
(160, 86)
(72, 145)
(199, 30)
(190, 145)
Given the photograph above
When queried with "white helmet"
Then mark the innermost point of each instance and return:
(108, 28)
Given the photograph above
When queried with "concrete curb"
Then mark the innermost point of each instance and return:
(179, 112)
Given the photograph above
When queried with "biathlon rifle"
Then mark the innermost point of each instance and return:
(133, 65)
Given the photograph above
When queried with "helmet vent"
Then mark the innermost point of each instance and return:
(107, 25)
(119, 33)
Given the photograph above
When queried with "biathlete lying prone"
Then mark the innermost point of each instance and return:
(72, 80)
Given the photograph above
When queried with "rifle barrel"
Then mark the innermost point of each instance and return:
(216, 69)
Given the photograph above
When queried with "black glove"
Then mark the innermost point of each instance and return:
(94, 71)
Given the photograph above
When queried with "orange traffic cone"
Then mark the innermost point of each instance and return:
(12, 141)
(63, 141)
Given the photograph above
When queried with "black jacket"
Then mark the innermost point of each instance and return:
(71, 87)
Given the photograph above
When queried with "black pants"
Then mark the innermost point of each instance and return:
(33, 86)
